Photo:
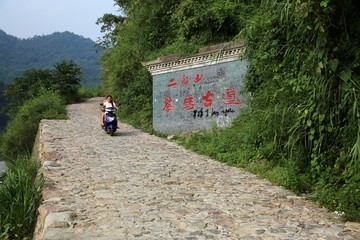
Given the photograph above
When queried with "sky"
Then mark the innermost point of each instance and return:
(27, 18)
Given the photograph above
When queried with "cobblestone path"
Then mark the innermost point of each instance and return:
(139, 186)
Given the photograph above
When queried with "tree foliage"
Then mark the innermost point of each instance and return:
(209, 21)
(109, 23)
(64, 79)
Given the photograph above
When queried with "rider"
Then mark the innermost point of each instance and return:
(108, 103)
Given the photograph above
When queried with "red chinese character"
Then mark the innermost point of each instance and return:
(207, 100)
(172, 83)
(230, 97)
(185, 80)
(168, 104)
(198, 78)
(189, 102)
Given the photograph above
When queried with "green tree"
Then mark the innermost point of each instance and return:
(25, 87)
(210, 21)
(66, 80)
(110, 24)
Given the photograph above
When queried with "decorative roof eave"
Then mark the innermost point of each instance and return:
(226, 52)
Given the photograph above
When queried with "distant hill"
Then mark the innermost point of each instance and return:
(43, 52)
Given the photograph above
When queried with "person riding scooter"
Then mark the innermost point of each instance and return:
(108, 105)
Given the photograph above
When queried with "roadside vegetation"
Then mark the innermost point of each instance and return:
(20, 196)
(302, 127)
(35, 95)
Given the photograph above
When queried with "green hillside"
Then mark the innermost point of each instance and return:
(43, 52)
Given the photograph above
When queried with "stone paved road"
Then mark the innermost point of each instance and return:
(138, 186)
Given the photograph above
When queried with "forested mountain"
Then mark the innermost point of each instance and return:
(42, 52)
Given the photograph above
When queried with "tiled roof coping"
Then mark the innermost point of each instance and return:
(225, 52)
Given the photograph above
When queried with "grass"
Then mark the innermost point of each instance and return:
(20, 195)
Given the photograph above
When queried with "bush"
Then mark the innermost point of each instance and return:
(21, 131)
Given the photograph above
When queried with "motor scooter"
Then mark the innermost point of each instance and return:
(110, 123)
